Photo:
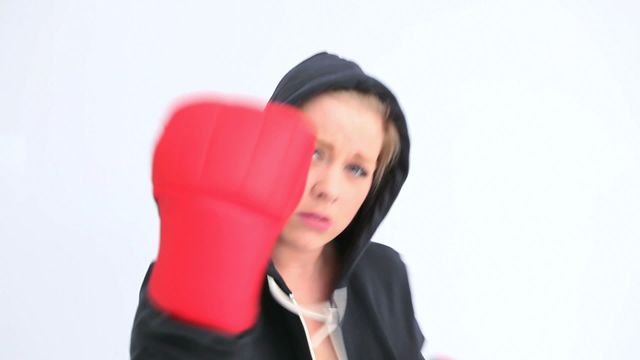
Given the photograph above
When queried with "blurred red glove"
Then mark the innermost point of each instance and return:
(226, 178)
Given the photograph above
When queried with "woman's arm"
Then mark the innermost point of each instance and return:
(157, 335)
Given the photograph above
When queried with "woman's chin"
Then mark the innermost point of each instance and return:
(305, 240)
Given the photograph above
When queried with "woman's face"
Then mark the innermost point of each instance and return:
(349, 138)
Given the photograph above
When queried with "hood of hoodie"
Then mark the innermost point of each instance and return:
(325, 72)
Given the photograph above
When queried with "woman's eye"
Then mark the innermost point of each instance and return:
(317, 154)
(357, 170)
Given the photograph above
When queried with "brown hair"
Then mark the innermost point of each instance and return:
(391, 142)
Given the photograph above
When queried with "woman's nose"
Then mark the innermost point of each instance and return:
(326, 187)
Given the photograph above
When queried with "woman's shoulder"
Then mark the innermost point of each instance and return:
(382, 263)
(380, 253)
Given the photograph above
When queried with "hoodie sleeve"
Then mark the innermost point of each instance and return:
(417, 340)
(157, 336)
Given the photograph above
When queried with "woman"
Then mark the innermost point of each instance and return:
(329, 293)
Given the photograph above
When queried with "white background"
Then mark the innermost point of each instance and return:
(520, 221)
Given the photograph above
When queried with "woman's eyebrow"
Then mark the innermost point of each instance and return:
(329, 146)
(364, 158)
(325, 144)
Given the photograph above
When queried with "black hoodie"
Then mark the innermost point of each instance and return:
(372, 294)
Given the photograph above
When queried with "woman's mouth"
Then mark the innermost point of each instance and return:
(315, 221)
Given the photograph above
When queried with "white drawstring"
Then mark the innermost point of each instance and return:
(330, 325)
(329, 315)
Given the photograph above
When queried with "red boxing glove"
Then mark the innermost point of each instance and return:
(226, 179)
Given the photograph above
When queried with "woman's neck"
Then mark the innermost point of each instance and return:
(309, 274)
